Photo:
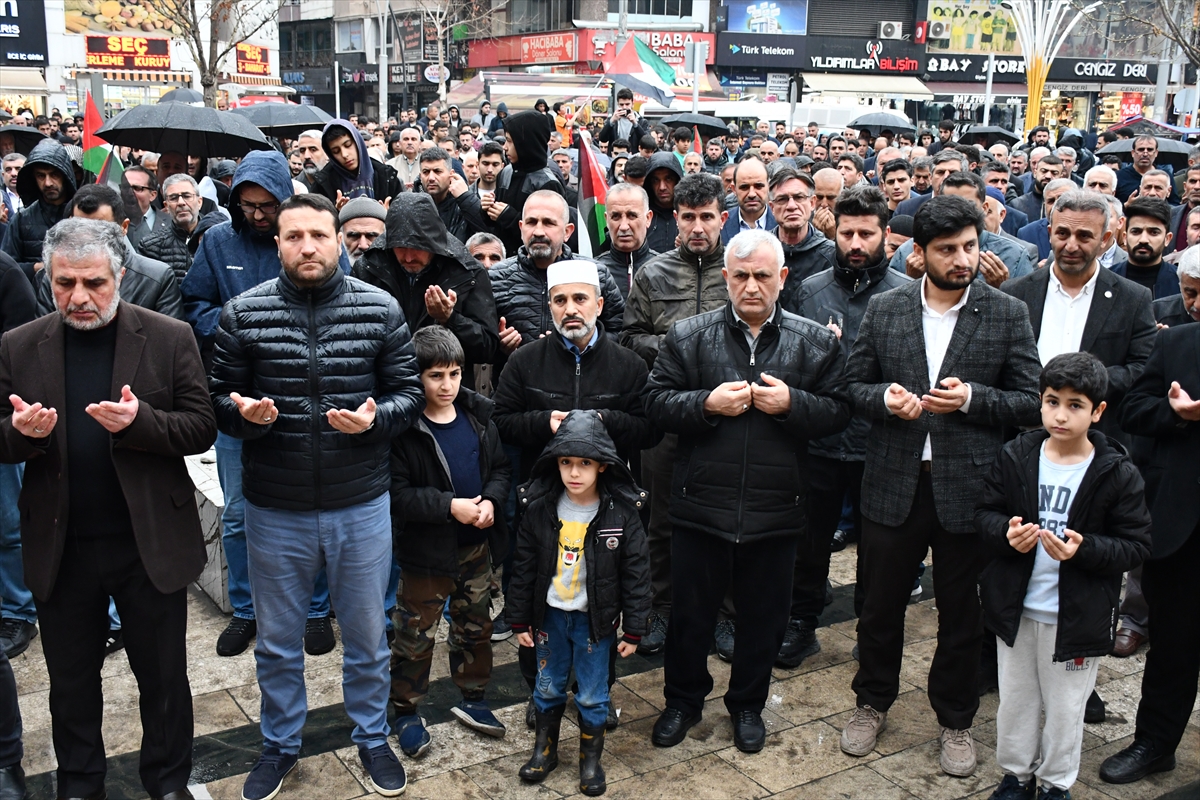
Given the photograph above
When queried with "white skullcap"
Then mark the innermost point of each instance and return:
(561, 272)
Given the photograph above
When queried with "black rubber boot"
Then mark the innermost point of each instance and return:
(545, 748)
(591, 774)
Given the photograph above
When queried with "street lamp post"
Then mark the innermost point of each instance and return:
(1042, 27)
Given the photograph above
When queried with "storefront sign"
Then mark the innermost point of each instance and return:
(865, 56)
(554, 48)
(361, 75)
(1131, 104)
(1094, 71)
(778, 83)
(128, 52)
(971, 27)
(435, 74)
(760, 50)
(23, 33)
(974, 68)
(404, 73)
(670, 46)
(253, 60)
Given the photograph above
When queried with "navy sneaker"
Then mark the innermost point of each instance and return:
(384, 771)
(501, 630)
(1012, 789)
(414, 739)
(476, 715)
(265, 780)
(1053, 793)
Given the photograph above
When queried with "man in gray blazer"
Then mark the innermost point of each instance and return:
(940, 366)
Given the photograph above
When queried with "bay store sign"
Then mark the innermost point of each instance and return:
(1012, 70)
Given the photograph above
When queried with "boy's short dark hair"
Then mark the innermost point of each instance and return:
(945, 215)
(1082, 372)
(437, 347)
(637, 166)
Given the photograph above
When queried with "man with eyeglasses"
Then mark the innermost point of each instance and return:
(1129, 177)
(806, 251)
(362, 222)
(170, 244)
(232, 258)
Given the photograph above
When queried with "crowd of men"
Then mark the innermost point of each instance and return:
(795, 339)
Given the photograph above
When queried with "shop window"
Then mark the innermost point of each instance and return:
(350, 36)
(534, 16)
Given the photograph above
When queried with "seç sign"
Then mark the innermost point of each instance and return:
(129, 52)
(253, 60)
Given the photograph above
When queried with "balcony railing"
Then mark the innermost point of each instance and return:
(298, 59)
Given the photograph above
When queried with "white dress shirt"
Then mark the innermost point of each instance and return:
(1063, 318)
(759, 224)
(938, 330)
(14, 200)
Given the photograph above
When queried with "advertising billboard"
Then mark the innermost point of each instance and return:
(971, 27)
(768, 16)
(23, 34)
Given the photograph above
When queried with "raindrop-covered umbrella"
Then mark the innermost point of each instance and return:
(191, 130)
(993, 133)
(708, 126)
(24, 137)
(1170, 151)
(182, 96)
(284, 120)
(877, 121)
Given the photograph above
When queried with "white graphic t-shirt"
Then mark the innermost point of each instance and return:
(1057, 486)
(568, 590)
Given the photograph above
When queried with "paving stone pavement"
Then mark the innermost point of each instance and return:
(804, 717)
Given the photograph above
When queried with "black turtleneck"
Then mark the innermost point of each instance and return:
(97, 503)
(1143, 276)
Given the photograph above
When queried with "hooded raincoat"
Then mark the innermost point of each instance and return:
(23, 239)
(372, 179)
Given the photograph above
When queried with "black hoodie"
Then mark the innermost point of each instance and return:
(615, 551)
(23, 239)
(413, 222)
(529, 132)
(663, 228)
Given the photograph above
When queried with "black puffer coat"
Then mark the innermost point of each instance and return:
(529, 132)
(615, 552)
(170, 245)
(815, 254)
(745, 478)
(1109, 510)
(413, 222)
(422, 528)
(623, 266)
(25, 234)
(543, 376)
(312, 350)
(523, 298)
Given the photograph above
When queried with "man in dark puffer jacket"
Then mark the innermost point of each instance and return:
(745, 388)
(315, 372)
(434, 278)
(46, 182)
(519, 282)
(171, 245)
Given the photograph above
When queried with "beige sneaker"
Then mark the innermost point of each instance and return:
(858, 737)
(958, 753)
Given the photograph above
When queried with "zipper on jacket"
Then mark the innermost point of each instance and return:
(315, 397)
(577, 359)
(699, 283)
(737, 536)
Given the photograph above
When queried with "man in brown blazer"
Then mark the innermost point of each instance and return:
(102, 401)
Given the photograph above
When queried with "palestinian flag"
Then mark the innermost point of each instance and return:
(697, 145)
(640, 68)
(111, 170)
(593, 192)
(95, 149)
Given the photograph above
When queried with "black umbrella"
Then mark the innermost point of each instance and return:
(880, 120)
(707, 125)
(4, 115)
(191, 130)
(1170, 151)
(287, 120)
(182, 96)
(24, 137)
(993, 133)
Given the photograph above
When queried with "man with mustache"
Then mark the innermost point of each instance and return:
(46, 182)
(627, 212)
(1147, 234)
(312, 155)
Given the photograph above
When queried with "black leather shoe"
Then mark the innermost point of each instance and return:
(672, 726)
(178, 794)
(749, 733)
(838, 541)
(12, 783)
(318, 636)
(1135, 762)
(1093, 710)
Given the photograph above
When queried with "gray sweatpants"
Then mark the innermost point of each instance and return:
(1031, 680)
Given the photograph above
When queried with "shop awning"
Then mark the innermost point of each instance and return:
(256, 80)
(973, 88)
(22, 80)
(867, 85)
(139, 75)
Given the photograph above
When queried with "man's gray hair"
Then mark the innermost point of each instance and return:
(1100, 169)
(618, 189)
(13, 157)
(1189, 263)
(1118, 208)
(1081, 201)
(180, 177)
(487, 238)
(1040, 152)
(923, 162)
(311, 133)
(1154, 173)
(1061, 183)
(1066, 151)
(747, 243)
(77, 239)
(950, 154)
(1194, 155)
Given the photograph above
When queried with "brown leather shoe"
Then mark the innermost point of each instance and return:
(1127, 643)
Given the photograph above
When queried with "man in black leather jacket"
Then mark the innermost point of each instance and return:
(745, 387)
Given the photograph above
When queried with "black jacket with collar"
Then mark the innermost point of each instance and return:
(840, 295)
(744, 478)
(1119, 330)
(615, 551)
(813, 255)
(543, 376)
(422, 527)
(623, 266)
(1170, 311)
(1109, 510)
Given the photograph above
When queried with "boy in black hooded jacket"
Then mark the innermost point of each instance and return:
(1064, 514)
(581, 564)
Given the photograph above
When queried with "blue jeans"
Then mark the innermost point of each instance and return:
(564, 641)
(286, 551)
(233, 535)
(16, 601)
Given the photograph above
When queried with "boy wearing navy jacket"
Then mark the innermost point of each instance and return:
(1063, 514)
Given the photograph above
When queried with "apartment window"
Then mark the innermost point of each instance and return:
(661, 8)
(532, 16)
(350, 36)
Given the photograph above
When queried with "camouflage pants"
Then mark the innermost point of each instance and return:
(419, 606)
